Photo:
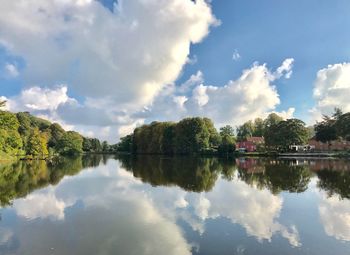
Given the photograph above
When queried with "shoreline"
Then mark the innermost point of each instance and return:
(345, 155)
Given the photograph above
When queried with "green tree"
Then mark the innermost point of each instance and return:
(342, 126)
(214, 136)
(286, 133)
(271, 120)
(246, 130)
(228, 140)
(87, 146)
(227, 144)
(56, 132)
(24, 124)
(105, 146)
(10, 139)
(259, 127)
(227, 131)
(192, 136)
(337, 113)
(96, 145)
(125, 144)
(71, 143)
(37, 143)
(326, 130)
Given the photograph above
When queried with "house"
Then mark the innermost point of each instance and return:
(298, 148)
(336, 145)
(251, 144)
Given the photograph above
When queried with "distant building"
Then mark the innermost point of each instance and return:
(300, 148)
(251, 144)
(337, 145)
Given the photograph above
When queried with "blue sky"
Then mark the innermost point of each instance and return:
(315, 33)
(105, 67)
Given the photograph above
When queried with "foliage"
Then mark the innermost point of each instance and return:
(91, 145)
(10, 139)
(37, 143)
(71, 143)
(56, 132)
(335, 127)
(193, 135)
(343, 126)
(258, 127)
(190, 135)
(24, 133)
(105, 146)
(245, 131)
(286, 133)
(227, 131)
(228, 140)
(272, 120)
(125, 144)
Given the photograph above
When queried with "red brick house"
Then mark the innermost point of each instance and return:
(251, 144)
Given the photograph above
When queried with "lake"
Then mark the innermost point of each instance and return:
(175, 205)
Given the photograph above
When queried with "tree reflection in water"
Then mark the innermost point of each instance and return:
(197, 174)
(278, 175)
(23, 177)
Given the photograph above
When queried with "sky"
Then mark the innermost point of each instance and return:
(104, 67)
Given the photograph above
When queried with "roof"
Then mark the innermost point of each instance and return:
(256, 139)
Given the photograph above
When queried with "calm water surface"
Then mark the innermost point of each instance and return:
(160, 205)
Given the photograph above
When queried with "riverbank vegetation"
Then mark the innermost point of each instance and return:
(195, 174)
(26, 136)
(199, 136)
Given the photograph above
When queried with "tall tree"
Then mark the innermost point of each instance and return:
(71, 143)
(105, 146)
(259, 127)
(10, 139)
(37, 143)
(342, 126)
(228, 140)
(56, 132)
(326, 130)
(227, 131)
(286, 133)
(245, 131)
(125, 144)
(272, 119)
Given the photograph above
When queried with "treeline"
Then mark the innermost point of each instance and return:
(333, 127)
(190, 135)
(22, 134)
(198, 135)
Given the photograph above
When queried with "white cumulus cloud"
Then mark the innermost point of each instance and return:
(331, 89)
(252, 95)
(127, 54)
